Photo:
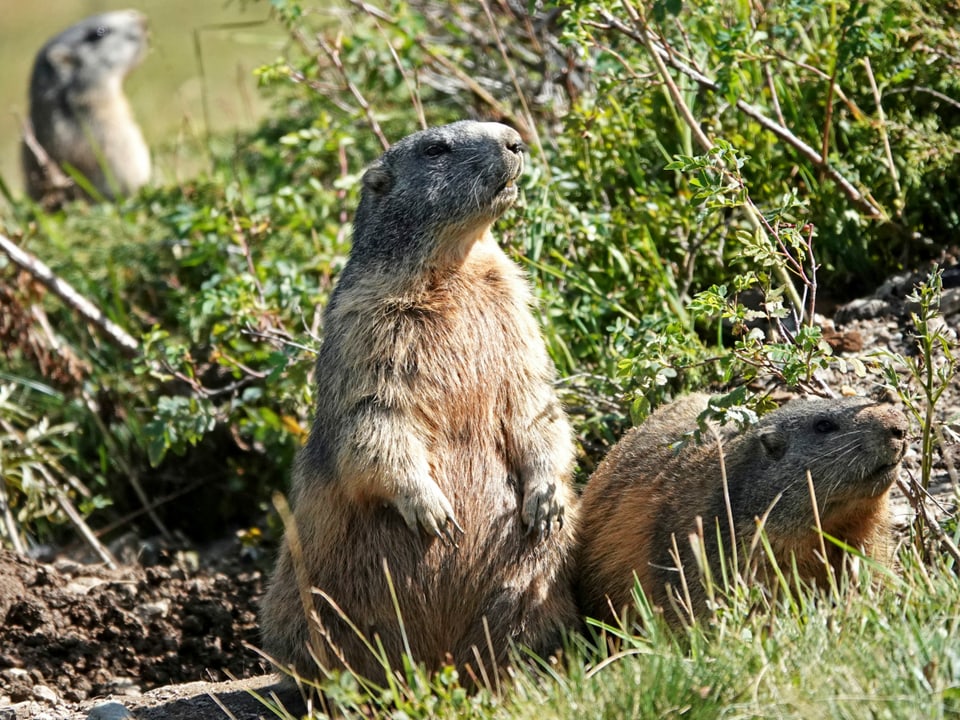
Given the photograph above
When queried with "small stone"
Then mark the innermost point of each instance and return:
(83, 585)
(119, 685)
(65, 566)
(44, 693)
(152, 610)
(109, 711)
(18, 684)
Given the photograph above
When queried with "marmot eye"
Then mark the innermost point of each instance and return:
(436, 148)
(97, 33)
(824, 426)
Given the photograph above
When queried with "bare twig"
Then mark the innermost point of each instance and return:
(85, 532)
(472, 85)
(914, 493)
(929, 91)
(828, 104)
(882, 128)
(857, 198)
(132, 475)
(9, 523)
(55, 179)
(678, 100)
(528, 116)
(413, 84)
(62, 289)
(774, 99)
(333, 53)
(131, 516)
(755, 218)
(951, 468)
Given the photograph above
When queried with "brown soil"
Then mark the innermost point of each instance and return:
(72, 633)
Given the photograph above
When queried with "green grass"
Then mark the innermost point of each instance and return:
(872, 651)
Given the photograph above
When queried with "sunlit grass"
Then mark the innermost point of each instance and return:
(875, 650)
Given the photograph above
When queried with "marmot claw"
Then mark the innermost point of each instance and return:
(541, 508)
(430, 510)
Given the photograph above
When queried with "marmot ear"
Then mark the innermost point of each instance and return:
(61, 57)
(773, 441)
(377, 178)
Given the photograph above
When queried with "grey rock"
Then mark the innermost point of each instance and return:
(109, 711)
(44, 693)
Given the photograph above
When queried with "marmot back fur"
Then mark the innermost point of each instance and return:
(79, 115)
(644, 492)
(438, 448)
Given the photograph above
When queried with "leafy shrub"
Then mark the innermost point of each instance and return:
(683, 157)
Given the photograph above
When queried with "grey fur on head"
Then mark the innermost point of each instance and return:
(98, 50)
(858, 446)
(448, 181)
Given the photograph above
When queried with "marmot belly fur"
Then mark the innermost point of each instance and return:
(438, 447)
(644, 492)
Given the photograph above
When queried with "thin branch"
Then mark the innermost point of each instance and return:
(334, 54)
(528, 116)
(915, 492)
(472, 85)
(828, 105)
(753, 215)
(56, 179)
(858, 199)
(701, 137)
(63, 290)
(133, 477)
(774, 100)
(888, 153)
(929, 91)
(413, 84)
(85, 532)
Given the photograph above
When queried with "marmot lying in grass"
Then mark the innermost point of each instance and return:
(439, 450)
(81, 121)
(645, 493)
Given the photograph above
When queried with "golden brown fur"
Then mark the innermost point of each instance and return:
(435, 408)
(645, 492)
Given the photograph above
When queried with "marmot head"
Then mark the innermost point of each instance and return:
(96, 52)
(434, 193)
(852, 448)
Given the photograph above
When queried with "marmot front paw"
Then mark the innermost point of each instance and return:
(542, 506)
(427, 506)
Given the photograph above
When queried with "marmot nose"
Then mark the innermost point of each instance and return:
(516, 147)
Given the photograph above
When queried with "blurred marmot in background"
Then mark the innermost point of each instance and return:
(80, 120)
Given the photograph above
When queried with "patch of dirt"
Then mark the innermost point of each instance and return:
(70, 633)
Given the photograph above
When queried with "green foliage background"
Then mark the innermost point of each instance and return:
(639, 241)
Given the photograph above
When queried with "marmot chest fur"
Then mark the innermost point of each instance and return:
(79, 115)
(644, 494)
(439, 450)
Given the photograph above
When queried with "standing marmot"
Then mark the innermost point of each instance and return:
(644, 492)
(79, 115)
(438, 445)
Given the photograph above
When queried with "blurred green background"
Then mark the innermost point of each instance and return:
(167, 91)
